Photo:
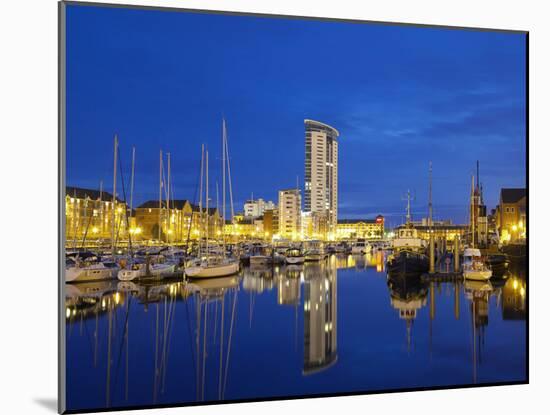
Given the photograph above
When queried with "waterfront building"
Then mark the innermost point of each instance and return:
(256, 208)
(314, 225)
(89, 214)
(441, 230)
(290, 203)
(320, 317)
(243, 228)
(360, 228)
(321, 171)
(511, 215)
(271, 222)
(175, 223)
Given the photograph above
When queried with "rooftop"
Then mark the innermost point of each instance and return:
(92, 194)
(318, 124)
(512, 195)
(353, 221)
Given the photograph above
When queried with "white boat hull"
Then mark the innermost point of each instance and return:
(475, 275)
(295, 260)
(212, 271)
(155, 271)
(92, 273)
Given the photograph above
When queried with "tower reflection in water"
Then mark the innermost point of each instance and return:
(320, 317)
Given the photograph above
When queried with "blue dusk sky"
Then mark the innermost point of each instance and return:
(399, 95)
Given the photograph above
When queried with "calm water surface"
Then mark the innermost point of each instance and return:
(336, 327)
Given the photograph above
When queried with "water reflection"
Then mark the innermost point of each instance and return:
(375, 259)
(407, 296)
(172, 342)
(320, 317)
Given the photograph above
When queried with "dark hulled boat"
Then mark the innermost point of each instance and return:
(407, 263)
(409, 254)
(517, 252)
(498, 263)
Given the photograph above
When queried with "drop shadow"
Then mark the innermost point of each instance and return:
(48, 403)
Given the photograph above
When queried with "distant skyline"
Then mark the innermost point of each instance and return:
(400, 96)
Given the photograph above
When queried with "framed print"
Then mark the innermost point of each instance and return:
(261, 207)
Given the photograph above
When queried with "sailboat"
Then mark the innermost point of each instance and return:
(154, 265)
(90, 267)
(216, 265)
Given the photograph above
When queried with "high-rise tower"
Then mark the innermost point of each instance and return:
(321, 172)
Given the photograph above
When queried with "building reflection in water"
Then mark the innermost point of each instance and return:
(513, 299)
(374, 259)
(288, 285)
(320, 316)
(407, 295)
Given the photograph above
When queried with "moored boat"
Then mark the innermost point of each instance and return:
(360, 247)
(212, 268)
(294, 256)
(314, 251)
(473, 266)
(498, 263)
(88, 267)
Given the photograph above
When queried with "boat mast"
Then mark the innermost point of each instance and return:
(102, 211)
(207, 211)
(132, 178)
(430, 225)
(131, 196)
(200, 200)
(408, 207)
(113, 219)
(229, 177)
(472, 226)
(223, 183)
(168, 197)
(160, 195)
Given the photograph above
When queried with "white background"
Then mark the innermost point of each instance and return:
(28, 163)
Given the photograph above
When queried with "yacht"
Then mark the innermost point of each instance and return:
(314, 251)
(150, 268)
(87, 266)
(473, 266)
(294, 256)
(218, 264)
(361, 247)
(261, 254)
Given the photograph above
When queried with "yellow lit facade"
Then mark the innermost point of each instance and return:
(181, 222)
(246, 228)
(360, 228)
(89, 215)
(511, 215)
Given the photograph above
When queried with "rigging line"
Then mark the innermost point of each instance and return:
(88, 224)
(229, 343)
(125, 210)
(166, 345)
(194, 203)
(229, 178)
(171, 323)
(190, 335)
(122, 340)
